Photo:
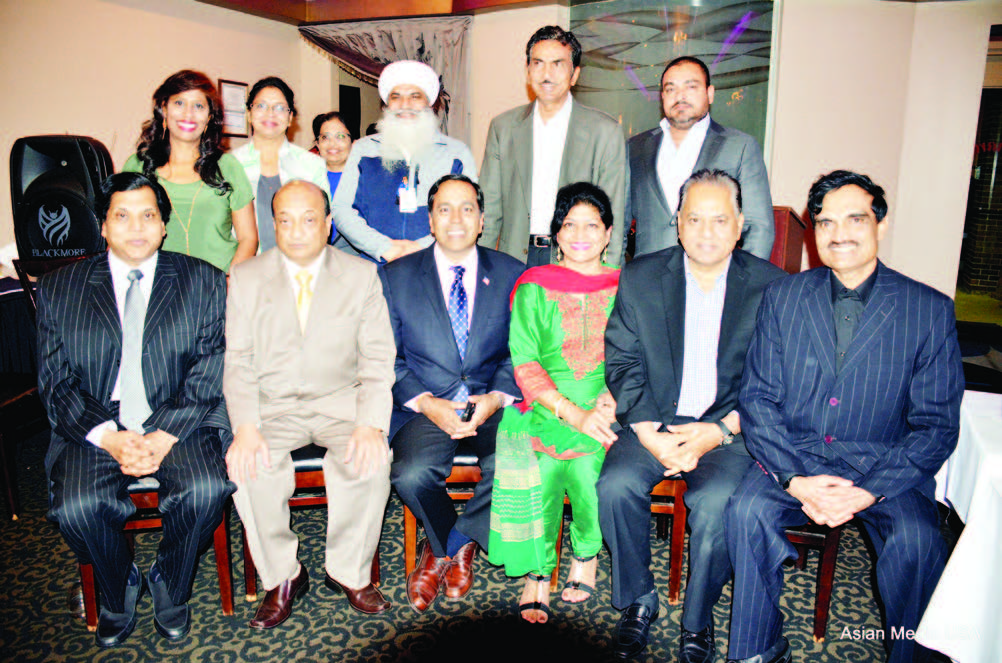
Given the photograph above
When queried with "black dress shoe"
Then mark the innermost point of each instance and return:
(778, 653)
(697, 646)
(171, 621)
(632, 630)
(114, 627)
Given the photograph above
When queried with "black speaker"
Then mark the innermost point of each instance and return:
(53, 182)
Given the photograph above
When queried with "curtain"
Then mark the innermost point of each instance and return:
(365, 47)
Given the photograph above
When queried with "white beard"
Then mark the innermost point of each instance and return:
(403, 139)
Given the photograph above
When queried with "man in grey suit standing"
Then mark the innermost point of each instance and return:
(659, 167)
(309, 358)
(534, 150)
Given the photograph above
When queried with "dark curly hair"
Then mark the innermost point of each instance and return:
(575, 194)
(153, 149)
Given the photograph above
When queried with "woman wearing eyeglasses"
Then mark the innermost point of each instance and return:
(269, 159)
(212, 217)
(333, 139)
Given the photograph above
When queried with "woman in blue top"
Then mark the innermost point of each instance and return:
(333, 140)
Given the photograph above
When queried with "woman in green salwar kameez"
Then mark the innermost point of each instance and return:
(554, 442)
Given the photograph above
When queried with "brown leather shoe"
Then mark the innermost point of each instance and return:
(425, 579)
(277, 604)
(459, 577)
(367, 600)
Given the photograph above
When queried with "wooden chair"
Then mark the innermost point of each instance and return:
(460, 485)
(666, 500)
(147, 517)
(310, 491)
(825, 540)
(787, 250)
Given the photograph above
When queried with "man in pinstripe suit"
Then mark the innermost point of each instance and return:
(130, 372)
(850, 402)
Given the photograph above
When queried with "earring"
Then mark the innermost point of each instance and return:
(605, 254)
(560, 254)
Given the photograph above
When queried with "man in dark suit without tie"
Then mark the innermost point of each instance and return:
(688, 140)
(677, 398)
(130, 372)
(850, 404)
(449, 305)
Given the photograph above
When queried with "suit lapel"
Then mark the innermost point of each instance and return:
(102, 301)
(162, 296)
(734, 307)
(712, 145)
(432, 286)
(816, 310)
(876, 315)
(279, 295)
(673, 296)
(522, 140)
(577, 139)
(325, 289)
(652, 147)
(485, 290)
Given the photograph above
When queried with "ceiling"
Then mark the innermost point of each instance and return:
(298, 12)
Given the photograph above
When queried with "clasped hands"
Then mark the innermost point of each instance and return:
(138, 455)
(680, 448)
(442, 412)
(830, 500)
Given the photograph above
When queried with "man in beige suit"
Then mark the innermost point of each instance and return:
(309, 358)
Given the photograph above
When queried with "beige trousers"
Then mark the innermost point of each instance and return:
(355, 505)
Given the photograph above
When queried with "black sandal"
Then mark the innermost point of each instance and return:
(577, 584)
(535, 605)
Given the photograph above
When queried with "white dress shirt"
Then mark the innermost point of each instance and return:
(675, 164)
(548, 138)
(293, 269)
(120, 284)
(445, 277)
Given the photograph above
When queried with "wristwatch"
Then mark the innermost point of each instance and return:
(728, 435)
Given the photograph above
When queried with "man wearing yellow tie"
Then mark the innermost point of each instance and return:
(309, 359)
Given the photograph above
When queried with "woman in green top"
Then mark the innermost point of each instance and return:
(557, 340)
(212, 215)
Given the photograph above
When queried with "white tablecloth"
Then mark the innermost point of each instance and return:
(964, 617)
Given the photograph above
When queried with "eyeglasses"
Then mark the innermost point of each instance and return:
(330, 138)
(278, 109)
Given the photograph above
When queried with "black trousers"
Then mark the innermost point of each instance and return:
(903, 529)
(89, 502)
(624, 501)
(422, 459)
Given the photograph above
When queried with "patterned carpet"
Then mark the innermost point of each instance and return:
(37, 572)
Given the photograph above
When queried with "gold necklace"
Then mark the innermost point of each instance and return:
(191, 212)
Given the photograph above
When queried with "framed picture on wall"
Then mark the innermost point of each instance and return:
(234, 96)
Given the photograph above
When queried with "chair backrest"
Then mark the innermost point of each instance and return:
(32, 269)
